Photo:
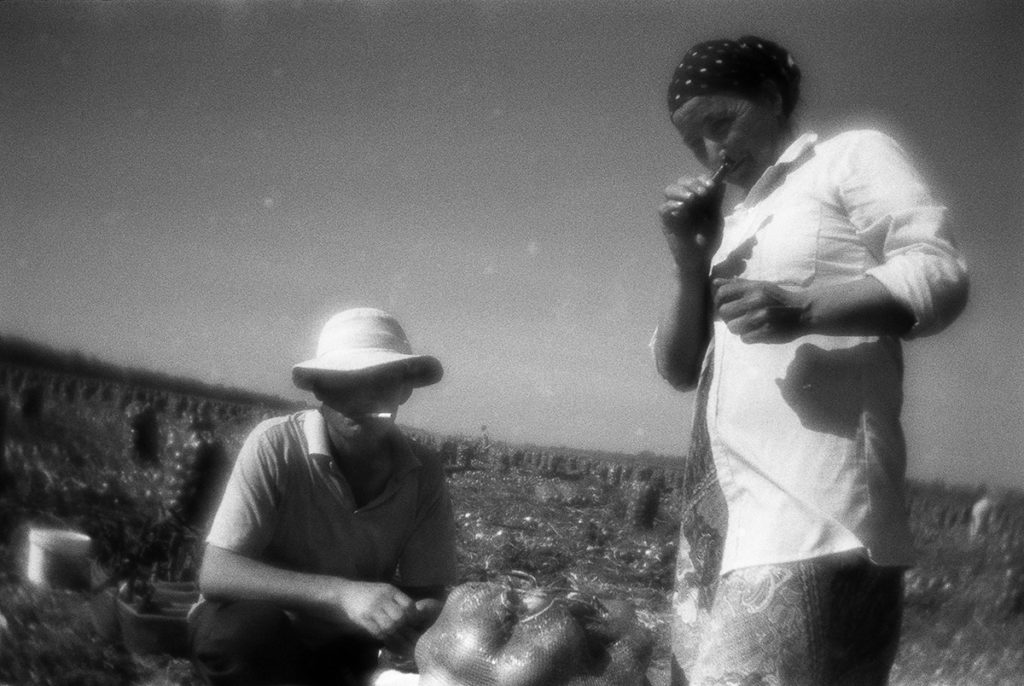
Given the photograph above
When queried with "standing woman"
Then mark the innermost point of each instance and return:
(787, 316)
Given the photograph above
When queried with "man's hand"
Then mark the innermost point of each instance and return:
(426, 613)
(380, 610)
(759, 311)
(386, 613)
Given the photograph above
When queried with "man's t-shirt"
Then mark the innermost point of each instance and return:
(287, 504)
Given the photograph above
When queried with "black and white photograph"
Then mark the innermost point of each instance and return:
(511, 343)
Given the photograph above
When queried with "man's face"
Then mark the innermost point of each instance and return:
(362, 406)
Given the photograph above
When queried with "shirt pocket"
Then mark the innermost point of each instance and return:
(787, 245)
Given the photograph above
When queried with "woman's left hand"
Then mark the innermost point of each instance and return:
(759, 311)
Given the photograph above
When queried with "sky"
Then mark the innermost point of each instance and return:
(195, 187)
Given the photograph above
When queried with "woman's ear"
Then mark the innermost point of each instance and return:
(772, 97)
(683, 120)
(405, 394)
(699, 151)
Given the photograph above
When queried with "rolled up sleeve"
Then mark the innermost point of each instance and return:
(895, 213)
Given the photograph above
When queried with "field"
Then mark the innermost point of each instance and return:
(599, 523)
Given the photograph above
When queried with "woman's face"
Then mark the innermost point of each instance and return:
(751, 133)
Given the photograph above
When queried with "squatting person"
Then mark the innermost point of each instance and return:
(335, 535)
(788, 315)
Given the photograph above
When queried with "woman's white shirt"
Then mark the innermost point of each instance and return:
(806, 435)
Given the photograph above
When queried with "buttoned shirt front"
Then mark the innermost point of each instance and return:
(806, 435)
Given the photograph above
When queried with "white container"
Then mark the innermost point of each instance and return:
(58, 558)
(391, 677)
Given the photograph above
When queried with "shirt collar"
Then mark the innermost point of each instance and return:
(795, 154)
(797, 149)
(314, 429)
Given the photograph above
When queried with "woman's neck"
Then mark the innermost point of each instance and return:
(779, 143)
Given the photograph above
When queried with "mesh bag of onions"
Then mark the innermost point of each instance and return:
(501, 634)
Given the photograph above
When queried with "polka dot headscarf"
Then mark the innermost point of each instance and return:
(740, 67)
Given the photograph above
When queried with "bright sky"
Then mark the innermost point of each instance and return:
(195, 187)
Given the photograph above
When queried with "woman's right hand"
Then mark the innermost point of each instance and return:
(691, 218)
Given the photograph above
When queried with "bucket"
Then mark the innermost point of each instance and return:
(58, 558)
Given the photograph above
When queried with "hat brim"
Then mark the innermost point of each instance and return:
(421, 370)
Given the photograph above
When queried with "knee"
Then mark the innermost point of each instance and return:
(239, 642)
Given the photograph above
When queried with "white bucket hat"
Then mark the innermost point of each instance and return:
(364, 338)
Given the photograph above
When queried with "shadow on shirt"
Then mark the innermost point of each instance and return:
(735, 263)
(824, 387)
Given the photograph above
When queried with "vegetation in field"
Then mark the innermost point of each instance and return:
(599, 524)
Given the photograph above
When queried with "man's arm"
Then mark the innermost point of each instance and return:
(379, 609)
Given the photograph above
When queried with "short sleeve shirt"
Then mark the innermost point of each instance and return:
(287, 504)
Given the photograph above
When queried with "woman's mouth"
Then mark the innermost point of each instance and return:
(733, 161)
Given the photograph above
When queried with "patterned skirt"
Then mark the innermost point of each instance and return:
(831, 620)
